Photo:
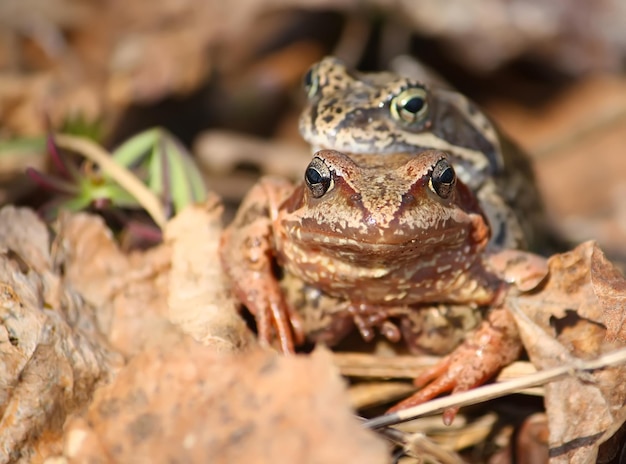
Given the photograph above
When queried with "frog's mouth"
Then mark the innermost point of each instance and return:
(382, 257)
(346, 243)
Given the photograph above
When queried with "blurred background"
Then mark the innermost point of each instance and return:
(225, 78)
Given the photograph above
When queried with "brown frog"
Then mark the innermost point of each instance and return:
(384, 234)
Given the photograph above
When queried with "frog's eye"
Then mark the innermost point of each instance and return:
(311, 81)
(317, 177)
(443, 179)
(410, 105)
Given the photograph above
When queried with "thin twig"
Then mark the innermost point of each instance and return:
(405, 366)
(496, 390)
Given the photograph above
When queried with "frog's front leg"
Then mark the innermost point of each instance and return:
(248, 256)
(493, 345)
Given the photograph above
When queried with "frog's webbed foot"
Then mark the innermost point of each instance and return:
(492, 346)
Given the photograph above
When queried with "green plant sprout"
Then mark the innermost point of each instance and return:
(150, 171)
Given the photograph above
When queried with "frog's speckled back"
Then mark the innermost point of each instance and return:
(384, 113)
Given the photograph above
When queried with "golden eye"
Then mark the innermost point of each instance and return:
(443, 179)
(410, 105)
(317, 177)
(311, 81)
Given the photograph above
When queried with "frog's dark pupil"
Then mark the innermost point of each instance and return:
(447, 176)
(317, 178)
(313, 176)
(414, 105)
(443, 179)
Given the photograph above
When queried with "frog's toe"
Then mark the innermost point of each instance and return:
(288, 326)
(263, 328)
(368, 318)
(442, 378)
(281, 324)
(452, 374)
(296, 325)
(276, 319)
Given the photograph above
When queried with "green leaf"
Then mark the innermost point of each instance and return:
(77, 203)
(196, 181)
(180, 190)
(157, 170)
(135, 148)
(116, 195)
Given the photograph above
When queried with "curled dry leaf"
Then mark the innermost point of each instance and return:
(52, 356)
(563, 322)
(189, 403)
(609, 286)
(198, 300)
(130, 291)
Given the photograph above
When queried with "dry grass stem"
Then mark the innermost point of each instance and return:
(489, 392)
(122, 176)
(369, 394)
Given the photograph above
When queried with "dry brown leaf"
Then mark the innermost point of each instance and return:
(51, 354)
(198, 301)
(532, 440)
(562, 323)
(141, 294)
(188, 403)
(130, 291)
(609, 286)
(90, 258)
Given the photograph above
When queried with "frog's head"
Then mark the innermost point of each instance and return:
(388, 207)
(380, 113)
